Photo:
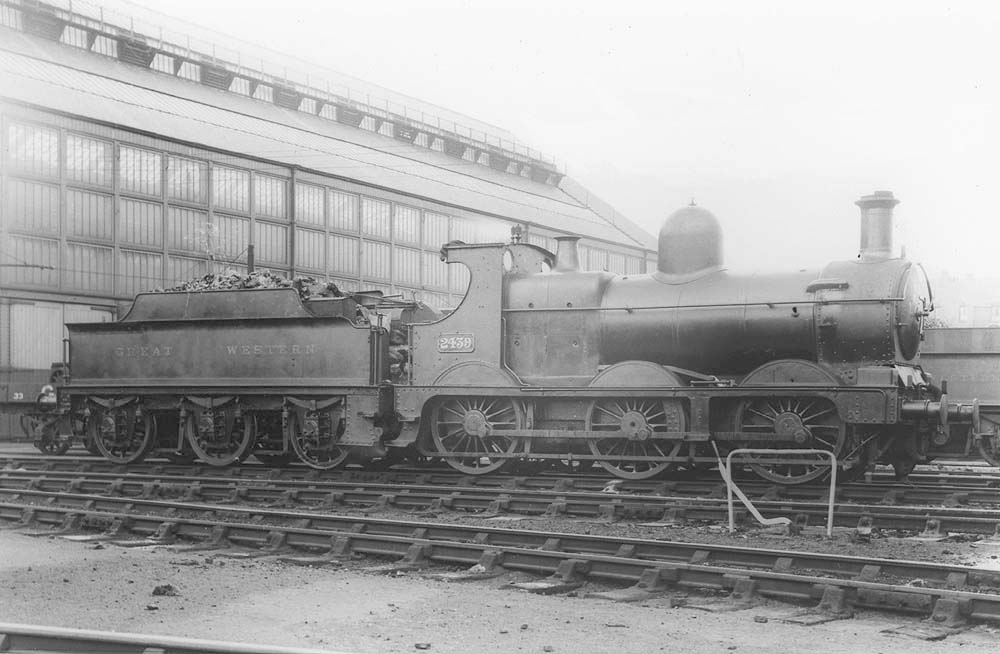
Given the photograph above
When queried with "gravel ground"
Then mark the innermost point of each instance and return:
(52, 581)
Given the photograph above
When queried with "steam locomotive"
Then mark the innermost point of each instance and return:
(541, 361)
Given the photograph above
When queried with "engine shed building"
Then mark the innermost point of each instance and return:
(134, 158)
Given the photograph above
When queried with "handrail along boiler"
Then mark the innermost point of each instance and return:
(639, 374)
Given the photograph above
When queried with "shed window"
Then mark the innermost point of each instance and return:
(375, 217)
(32, 149)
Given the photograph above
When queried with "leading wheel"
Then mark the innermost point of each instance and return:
(631, 450)
(314, 436)
(123, 434)
(468, 431)
(797, 423)
(220, 437)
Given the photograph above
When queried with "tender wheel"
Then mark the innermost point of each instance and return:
(631, 451)
(218, 437)
(314, 436)
(471, 430)
(122, 435)
(800, 423)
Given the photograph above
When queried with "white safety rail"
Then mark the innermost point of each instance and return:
(780, 457)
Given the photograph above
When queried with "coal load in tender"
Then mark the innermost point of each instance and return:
(307, 287)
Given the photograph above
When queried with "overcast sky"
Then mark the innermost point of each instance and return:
(774, 116)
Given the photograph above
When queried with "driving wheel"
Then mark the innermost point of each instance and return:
(469, 431)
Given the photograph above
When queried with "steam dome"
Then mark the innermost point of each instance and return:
(690, 242)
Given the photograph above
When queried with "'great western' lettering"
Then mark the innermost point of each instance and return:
(144, 351)
(250, 350)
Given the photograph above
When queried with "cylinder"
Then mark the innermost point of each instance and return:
(877, 225)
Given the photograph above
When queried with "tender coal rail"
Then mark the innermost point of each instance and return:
(949, 595)
(899, 509)
(36, 639)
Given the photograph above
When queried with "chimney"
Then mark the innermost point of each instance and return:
(876, 225)
(567, 259)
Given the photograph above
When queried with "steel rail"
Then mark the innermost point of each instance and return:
(882, 493)
(880, 488)
(24, 453)
(788, 575)
(674, 508)
(25, 638)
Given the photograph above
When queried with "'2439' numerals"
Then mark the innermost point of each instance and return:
(456, 343)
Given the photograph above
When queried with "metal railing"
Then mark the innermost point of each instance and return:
(725, 470)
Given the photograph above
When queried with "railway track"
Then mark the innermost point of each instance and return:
(36, 639)
(833, 584)
(900, 509)
(976, 477)
(874, 492)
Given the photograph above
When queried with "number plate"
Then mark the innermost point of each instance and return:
(456, 343)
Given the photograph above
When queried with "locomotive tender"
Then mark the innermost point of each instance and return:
(639, 374)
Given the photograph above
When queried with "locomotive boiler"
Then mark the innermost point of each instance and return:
(541, 361)
(691, 313)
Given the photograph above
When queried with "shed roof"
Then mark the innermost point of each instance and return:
(68, 80)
